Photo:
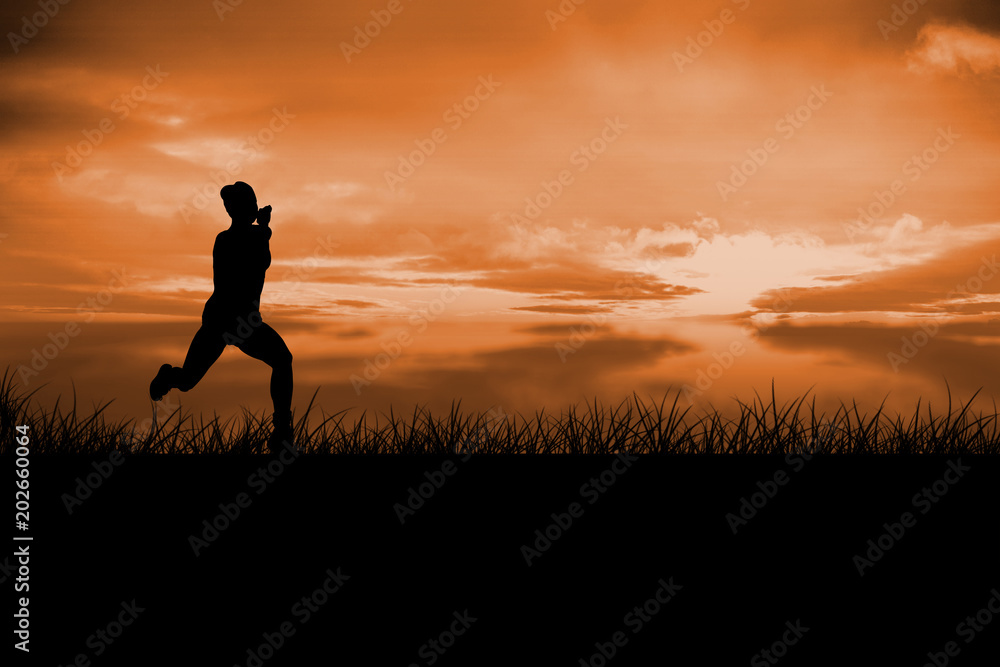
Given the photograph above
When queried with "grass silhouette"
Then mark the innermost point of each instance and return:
(632, 426)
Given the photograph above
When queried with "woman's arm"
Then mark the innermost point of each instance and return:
(264, 216)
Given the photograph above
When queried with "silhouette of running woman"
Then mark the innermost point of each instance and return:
(232, 316)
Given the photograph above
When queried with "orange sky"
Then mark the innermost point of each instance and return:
(493, 181)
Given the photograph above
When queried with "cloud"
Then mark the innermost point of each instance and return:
(965, 354)
(572, 281)
(901, 234)
(359, 332)
(958, 280)
(562, 330)
(612, 228)
(955, 49)
(907, 241)
(981, 15)
(354, 303)
(524, 378)
(564, 310)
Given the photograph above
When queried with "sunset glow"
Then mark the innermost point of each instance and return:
(509, 204)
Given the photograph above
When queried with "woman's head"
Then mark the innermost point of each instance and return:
(240, 202)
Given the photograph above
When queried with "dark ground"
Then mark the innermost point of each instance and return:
(662, 521)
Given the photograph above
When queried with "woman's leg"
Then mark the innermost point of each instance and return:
(206, 347)
(265, 344)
